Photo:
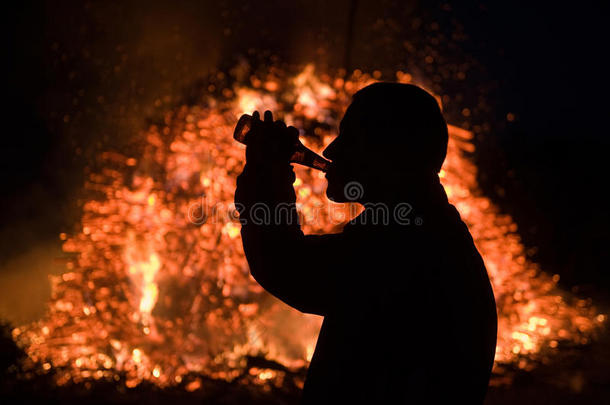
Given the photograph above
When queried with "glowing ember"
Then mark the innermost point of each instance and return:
(158, 287)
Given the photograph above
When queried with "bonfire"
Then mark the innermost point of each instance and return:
(156, 286)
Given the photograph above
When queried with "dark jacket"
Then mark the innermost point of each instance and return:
(409, 312)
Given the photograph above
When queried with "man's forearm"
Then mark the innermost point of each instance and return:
(266, 197)
(281, 258)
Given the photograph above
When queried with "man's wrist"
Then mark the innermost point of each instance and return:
(271, 171)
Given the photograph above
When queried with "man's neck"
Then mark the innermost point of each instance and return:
(400, 205)
(421, 192)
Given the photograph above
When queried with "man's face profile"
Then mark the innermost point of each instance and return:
(347, 153)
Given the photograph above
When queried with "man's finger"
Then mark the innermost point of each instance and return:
(293, 132)
(281, 125)
(268, 116)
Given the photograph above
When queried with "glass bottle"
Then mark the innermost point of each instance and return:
(301, 155)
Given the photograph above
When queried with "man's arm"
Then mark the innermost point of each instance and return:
(296, 268)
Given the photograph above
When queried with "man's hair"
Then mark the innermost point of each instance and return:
(404, 119)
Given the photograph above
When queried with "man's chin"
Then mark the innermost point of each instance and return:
(335, 197)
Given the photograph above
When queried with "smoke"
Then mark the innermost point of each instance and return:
(25, 283)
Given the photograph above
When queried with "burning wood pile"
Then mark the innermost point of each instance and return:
(157, 288)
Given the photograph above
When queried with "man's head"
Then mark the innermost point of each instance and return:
(391, 134)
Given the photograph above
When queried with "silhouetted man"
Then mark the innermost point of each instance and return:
(409, 313)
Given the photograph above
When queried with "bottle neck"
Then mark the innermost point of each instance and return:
(304, 156)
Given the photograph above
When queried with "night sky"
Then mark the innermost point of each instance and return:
(82, 75)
